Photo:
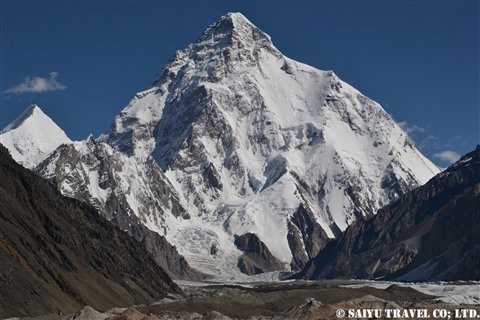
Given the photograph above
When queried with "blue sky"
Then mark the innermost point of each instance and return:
(86, 59)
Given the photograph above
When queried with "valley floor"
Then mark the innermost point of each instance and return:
(294, 300)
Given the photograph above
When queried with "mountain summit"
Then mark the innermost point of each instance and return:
(233, 141)
(32, 136)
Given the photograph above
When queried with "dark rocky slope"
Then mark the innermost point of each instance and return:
(305, 237)
(431, 233)
(167, 255)
(256, 257)
(58, 254)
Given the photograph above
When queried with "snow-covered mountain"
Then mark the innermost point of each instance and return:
(235, 138)
(32, 137)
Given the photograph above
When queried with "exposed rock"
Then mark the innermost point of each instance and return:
(305, 237)
(211, 175)
(167, 257)
(256, 257)
(213, 249)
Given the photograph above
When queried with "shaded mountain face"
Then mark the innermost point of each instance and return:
(32, 137)
(233, 138)
(58, 254)
(431, 233)
(256, 257)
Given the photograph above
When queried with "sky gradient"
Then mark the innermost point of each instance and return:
(83, 61)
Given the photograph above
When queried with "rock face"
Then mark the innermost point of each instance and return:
(431, 233)
(233, 138)
(167, 256)
(58, 254)
(256, 257)
(305, 237)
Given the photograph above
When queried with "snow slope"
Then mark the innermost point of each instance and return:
(234, 137)
(32, 137)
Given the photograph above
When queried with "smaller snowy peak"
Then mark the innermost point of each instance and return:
(32, 136)
(32, 111)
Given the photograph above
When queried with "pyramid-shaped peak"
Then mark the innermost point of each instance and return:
(32, 111)
(236, 27)
(232, 20)
(34, 107)
(34, 119)
(231, 32)
(236, 17)
(32, 136)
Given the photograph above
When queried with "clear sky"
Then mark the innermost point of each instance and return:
(84, 60)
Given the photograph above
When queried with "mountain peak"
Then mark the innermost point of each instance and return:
(32, 136)
(231, 42)
(235, 28)
(232, 20)
(234, 16)
(33, 110)
(34, 107)
(237, 19)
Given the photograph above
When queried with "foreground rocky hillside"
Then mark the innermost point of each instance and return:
(291, 301)
(58, 254)
(430, 233)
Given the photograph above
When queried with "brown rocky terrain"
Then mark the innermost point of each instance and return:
(272, 301)
(58, 254)
(256, 257)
